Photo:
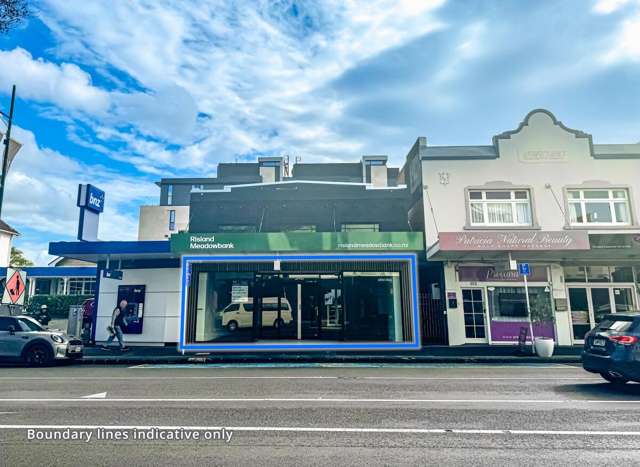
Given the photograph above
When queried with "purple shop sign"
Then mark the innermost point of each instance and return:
(514, 240)
(490, 274)
(509, 331)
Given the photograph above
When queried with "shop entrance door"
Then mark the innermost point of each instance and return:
(589, 305)
(274, 304)
(321, 307)
(474, 315)
(298, 307)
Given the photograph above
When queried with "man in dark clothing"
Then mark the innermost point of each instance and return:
(117, 322)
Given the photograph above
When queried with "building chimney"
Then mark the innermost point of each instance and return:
(374, 170)
(270, 169)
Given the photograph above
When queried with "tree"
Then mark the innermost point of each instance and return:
(12, 12)
(18, 260)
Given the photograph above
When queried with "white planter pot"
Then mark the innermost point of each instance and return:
(544, 346)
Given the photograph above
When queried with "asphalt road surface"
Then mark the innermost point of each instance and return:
(316, 415)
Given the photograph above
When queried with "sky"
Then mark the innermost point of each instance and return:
(120, 94)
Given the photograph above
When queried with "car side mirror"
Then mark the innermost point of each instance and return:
(11, 329)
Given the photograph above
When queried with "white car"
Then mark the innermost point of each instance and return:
(24, 339)
(240, 314)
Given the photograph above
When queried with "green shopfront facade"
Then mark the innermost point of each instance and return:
(298, 291)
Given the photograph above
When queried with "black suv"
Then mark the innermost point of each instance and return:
(612, 348)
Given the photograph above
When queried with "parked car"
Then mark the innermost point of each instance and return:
(240, 315)
(612, 348)
(24, 339)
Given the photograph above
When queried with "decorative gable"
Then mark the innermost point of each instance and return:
(541, 138)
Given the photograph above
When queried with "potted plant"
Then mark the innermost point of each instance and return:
(541, 316)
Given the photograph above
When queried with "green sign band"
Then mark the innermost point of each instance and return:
(222, 243)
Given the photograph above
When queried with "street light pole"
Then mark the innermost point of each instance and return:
(7, 142)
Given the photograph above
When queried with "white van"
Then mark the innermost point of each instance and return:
(240, 315)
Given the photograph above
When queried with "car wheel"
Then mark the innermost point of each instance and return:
(232, 326)
(278, 323)
(38, 355)
(614, 378)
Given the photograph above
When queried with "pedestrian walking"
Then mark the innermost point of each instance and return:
(118, 320)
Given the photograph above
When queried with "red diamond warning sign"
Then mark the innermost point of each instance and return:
(14, 287)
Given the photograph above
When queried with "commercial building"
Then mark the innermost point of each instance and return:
(365, 256)
(319, 257)
(542, 194)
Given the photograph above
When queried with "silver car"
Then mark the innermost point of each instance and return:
(23, 339)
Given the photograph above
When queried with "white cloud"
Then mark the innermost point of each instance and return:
(65, 85)
(605, 7)
(625, 44)
(252, 67)
(42, 189)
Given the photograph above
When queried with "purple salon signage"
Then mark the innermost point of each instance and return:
(509, 331)
(490, 274)
(513, 240)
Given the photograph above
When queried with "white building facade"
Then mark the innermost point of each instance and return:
(542, 194)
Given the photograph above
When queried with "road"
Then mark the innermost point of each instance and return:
(319, 415)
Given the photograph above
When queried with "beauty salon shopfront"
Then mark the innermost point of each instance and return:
(280, 291)
(575, 278)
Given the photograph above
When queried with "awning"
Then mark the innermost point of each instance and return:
(569, 246)
(100, 251)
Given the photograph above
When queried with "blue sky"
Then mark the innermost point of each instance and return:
(120, 94)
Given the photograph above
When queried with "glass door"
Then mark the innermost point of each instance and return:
(273, 306)
(589, 305)
(474, 315)
(623, 299)
(580, 315)
(600, 304)
(331, 316)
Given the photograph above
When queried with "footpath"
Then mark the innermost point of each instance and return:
(428, 354)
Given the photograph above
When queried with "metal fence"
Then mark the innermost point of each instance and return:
(433, 320)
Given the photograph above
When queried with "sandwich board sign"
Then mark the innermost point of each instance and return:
(15, 287)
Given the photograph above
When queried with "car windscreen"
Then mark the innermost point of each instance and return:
(29, 324)
(616, 324)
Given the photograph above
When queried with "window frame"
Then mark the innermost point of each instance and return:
(172, 220)
(581, 201)
(42, 279)
(85, 286)
(170, 194)
(237, 228)
(352, 227)
(512, 201)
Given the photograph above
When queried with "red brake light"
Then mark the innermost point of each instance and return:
(624, 340)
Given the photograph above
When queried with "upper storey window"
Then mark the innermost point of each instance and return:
(599, 207)
(500, 208)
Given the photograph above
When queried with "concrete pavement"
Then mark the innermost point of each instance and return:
(323, 414)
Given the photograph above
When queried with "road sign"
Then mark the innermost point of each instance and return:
(112, 274)
(523, 269)
(14, 289)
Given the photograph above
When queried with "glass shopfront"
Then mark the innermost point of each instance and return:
(594, 291)
(495, 304)
(508, 311)
(300, 302)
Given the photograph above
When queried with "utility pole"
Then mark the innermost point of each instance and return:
(7, 142)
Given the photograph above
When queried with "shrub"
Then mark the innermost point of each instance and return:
(58, 305)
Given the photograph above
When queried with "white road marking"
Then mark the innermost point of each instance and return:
(325, 400)
(100, 395)
(465, 378)
(391, 378)
(298, 429)
(92, 378)
(190, 366)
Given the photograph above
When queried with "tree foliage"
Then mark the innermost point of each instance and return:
(18, 259)
(12, 12)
